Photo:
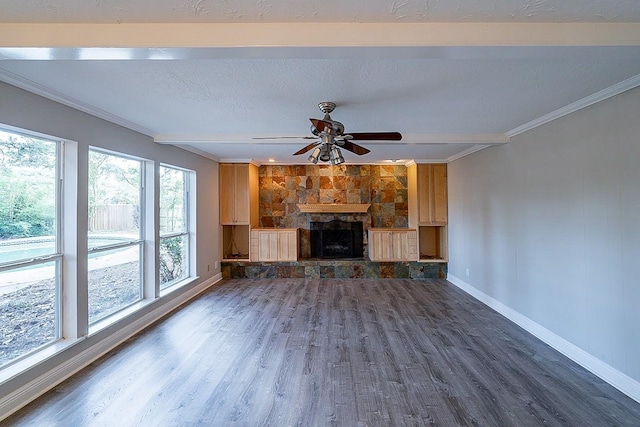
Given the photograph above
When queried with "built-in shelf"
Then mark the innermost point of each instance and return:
(433, 243)
(334, 207)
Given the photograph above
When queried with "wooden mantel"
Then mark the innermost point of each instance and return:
(334, 207)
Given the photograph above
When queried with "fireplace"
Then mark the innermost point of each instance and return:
(337, 239)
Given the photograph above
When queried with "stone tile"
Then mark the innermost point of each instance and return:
(339, 182)
(402, 196)
(339, 170)
(292, 182)
(401, 209)
(312, 271)
(387, 209)
(357, 271)
(279, 170)
(326, 183)
(237, 270)
(226, 271)
(324, 170)
(352, 170)
(343, 271)
(266, 221)
(297, 272)
(353, 196)
(401, 270)
(340, 196)
(401, 221)
(312, 170)
(387, 221)
(387, 270)
(372, 270)
(312, 182)
(387, 196)
(416, 270)
(386, 170)
(278, 209)
(327, 271)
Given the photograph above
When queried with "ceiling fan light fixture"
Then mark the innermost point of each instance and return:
(315, 154)
(336, 156)
(325, 153)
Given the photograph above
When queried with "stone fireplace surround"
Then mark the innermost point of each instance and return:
(282, 188)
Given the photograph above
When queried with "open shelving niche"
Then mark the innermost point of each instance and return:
(432, 240)
(235, 242)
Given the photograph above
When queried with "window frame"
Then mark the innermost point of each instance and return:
(57, 257)
(188, 177)
(139, 242)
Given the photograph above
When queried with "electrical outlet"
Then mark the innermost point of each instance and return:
(215, 265)
(467, 271)
(208, 267)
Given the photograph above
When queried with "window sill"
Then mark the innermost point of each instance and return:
(17, 367)
(174, 287)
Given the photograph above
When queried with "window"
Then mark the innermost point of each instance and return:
(174, 225)
(30, 247)
(115, 240)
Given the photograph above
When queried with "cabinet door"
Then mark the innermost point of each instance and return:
(380, 245)
(439, 194)
(432, 193)
(268, 246)
(241, 199)
(227, 180)
(287, 246)
(393, 245)
(400, 245)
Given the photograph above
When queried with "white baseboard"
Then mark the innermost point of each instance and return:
(619, 380)
(30, 391)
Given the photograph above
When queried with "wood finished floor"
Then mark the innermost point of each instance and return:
(299, 352)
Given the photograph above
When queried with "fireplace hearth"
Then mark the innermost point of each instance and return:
(337, 239)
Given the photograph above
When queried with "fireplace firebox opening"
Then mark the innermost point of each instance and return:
(337, 239)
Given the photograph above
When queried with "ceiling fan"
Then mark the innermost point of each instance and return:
(330, 137)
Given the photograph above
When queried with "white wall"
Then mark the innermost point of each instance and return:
(549, 226)
(25, 110)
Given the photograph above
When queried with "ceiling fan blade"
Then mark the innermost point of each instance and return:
(285, 137)
(321, 125)
(376, 136)
(305, 149)
(354, 148)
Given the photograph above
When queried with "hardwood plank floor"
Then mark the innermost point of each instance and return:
(343, 352)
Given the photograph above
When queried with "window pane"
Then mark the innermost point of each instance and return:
(28, 319)
(114, 281)
(114, 199)
(172, 201)
(29, 297)
(28, 202)
(173, 260)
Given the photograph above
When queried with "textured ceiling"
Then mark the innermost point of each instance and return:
(447, 99)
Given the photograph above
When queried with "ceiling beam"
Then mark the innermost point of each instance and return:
(182, 35)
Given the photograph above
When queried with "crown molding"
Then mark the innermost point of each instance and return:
(614, 90)
(198, 152)
(466, 152)
(46, 92)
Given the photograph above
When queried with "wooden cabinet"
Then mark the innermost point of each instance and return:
(274, 244)
(238, 189)
(428, 211)
(238, 194)
(432, 194)
(393, 244)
